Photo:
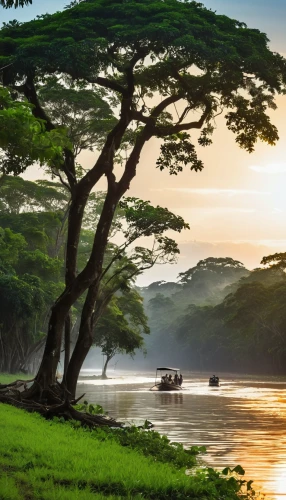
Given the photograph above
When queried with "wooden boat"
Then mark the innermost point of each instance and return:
(161, 381)
(214, 381)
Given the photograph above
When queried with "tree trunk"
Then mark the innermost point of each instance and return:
(33, 356)
(47, 372)
(67, 345)
(79, 354)
(85, 337)
(84, 340)
(103, 375)
(46, 375)
(76, 285)
(114, 194)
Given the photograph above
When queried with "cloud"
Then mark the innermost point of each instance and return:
(272, 168)
(216, 191)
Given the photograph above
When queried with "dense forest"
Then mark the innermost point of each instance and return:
(33, 225)
(220, 316)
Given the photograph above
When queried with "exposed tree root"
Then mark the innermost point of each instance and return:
(16, 384)
(52, 402)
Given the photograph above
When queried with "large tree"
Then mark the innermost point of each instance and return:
(123, 263)
(166, 68)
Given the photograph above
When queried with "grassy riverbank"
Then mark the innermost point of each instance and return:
(48, 460)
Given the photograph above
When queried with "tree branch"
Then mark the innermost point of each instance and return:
(164, 131)
(164, 104)
(29, 91)
(139, 117)
(108, 84)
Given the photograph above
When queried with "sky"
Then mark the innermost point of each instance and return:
(236, 206)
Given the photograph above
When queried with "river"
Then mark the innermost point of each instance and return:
(241, 422)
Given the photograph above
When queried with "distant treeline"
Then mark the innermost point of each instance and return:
(219, 317)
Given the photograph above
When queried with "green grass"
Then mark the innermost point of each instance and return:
(7, 378)
(45, 460)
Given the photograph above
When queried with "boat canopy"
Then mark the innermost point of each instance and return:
(170, 369)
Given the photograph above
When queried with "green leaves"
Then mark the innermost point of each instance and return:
(19, 298)
(177, 152)
(11, 245)
(250, 123)
(167, 49)
(30, 271)
(23, 138)
(144, 219)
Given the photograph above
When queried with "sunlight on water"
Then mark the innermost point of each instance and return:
(241, 422)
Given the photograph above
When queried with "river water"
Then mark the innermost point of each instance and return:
(241, 422)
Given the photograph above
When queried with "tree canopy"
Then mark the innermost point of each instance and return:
(225, 267)
(151, 47)
(276, 261)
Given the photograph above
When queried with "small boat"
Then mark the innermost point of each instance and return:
(214, 381)
(166, 382)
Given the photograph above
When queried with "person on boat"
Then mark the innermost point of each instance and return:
(170, 379)
(176, 379)
(180, 379)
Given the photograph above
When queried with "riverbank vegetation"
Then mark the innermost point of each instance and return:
(50, 460)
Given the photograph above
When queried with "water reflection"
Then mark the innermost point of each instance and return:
(241, 422)
(167, 398)
(279, 482)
